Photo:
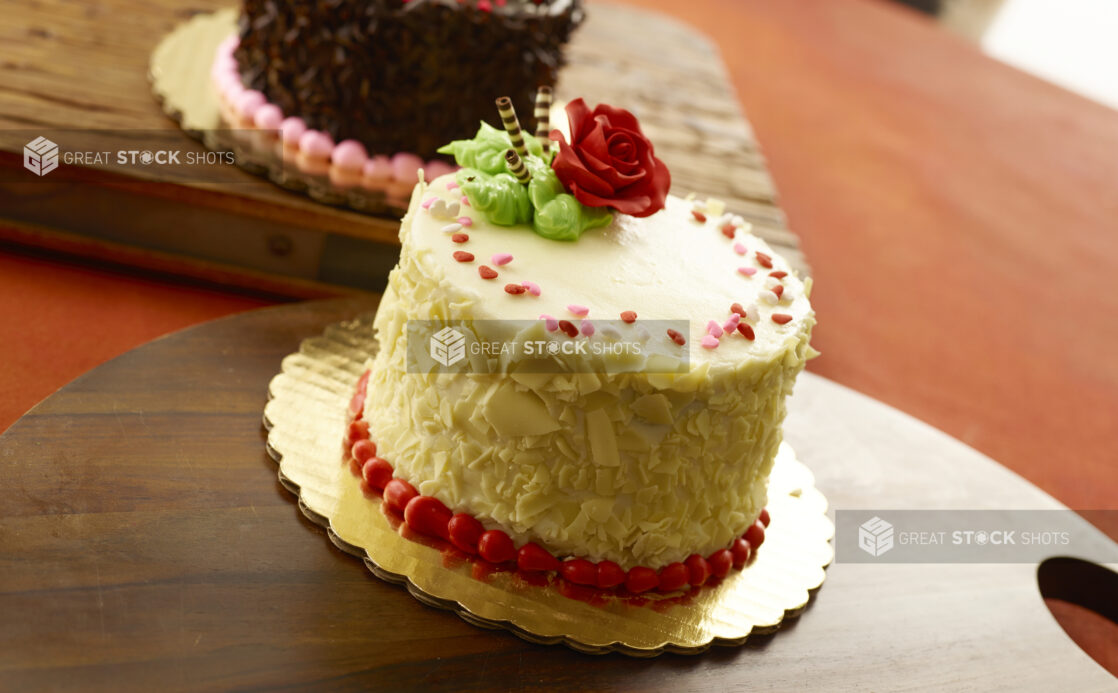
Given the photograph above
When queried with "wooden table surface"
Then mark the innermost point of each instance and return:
(145, 543)
(959, 217)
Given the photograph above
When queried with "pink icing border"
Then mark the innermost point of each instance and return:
(346, 163)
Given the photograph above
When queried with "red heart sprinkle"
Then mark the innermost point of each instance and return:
(427, 515)
(746, 331)
(515, 289)
(460, 237)
(579, 571)
(487, 272)
(728, 230)
(764, 260)
(699, 569)
(699, 216)
(673, 577)
(568, 328)
(736, 308)
(463, 256)
(398, 493)
(778, 290)
(676, 337)
(782, 318)
(534, 558)
(609, 575)
(781, 274)
(629, 316)
(465, 532)
(641, 579)
(377, 473)
(496, 547)
(720, 563)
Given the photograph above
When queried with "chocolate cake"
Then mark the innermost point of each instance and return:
(401, 75)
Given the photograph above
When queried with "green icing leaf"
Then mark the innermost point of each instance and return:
(495, 192)
(486, 151)
(559, 216)
(502, 198)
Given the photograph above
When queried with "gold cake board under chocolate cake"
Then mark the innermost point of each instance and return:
(306, 420)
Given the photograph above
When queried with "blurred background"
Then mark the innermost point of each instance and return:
(1068, 42)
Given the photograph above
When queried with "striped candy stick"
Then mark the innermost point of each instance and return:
(512, 125)
(517, 167)
(543, 115)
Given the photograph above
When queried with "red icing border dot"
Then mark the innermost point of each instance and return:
(610, 575)
(465, 531)
(496, 547)
(535, 558)
(579, 571)
(755, 535)
(641, 579)
(398, 493)
(428, 515)
(673, 577)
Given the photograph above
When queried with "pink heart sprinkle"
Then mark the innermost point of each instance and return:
(501, 259)
(550, 323)
(739, 249)
(714, 329)
(578, 310)
(748, 271)
(451, 186)
(466, 201)
(428, 202)
(465, 221)
(731, 324)
(533, 288)
(587, 328)
(710, 342)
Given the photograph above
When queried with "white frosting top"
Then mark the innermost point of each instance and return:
(669, 266)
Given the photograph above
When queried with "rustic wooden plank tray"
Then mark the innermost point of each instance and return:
(68, 65)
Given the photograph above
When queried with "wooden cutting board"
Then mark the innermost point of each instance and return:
(146, 543)
(235, 229)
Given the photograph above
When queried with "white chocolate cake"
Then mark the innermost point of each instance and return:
(627, 462)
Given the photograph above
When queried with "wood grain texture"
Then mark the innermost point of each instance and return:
(145, 542)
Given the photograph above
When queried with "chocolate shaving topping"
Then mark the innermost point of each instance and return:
(401, 76)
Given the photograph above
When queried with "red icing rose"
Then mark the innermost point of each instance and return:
(609, 162)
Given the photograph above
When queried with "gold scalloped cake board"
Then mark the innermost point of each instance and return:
(307, 421)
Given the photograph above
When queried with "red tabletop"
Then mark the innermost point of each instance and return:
(961, 219)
